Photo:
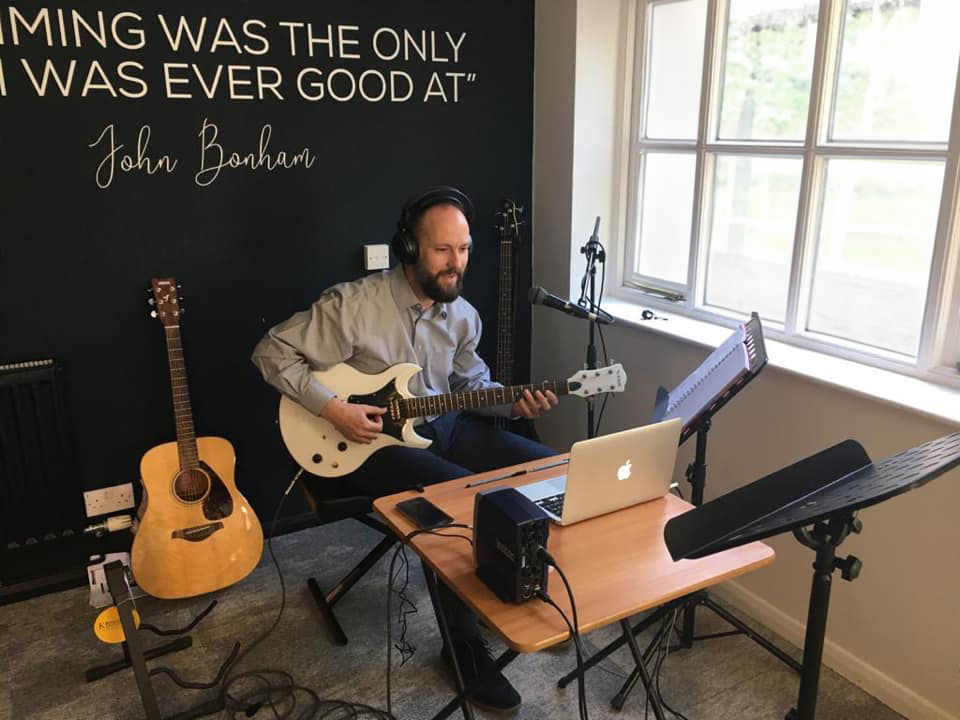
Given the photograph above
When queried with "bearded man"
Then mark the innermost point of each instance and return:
(412, 313)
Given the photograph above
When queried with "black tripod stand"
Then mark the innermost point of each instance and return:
(696, 474)
(594, 253)
(817, 498)
(697, 399)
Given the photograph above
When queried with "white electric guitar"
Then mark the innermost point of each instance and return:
(319, 448)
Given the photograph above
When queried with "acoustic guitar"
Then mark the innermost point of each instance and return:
(319, 448)
(196, 533)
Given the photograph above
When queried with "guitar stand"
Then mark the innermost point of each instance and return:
(134, 654)
(817, 499)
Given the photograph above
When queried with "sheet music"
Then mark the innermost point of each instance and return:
(718, 372)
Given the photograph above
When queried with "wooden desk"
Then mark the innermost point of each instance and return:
(617, 564)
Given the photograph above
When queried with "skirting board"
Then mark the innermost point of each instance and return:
(893, 694)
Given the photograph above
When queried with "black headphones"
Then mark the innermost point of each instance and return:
(404, 243)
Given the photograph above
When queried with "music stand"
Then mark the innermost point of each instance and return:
(697, 399)
(723, 374)
(824, 491)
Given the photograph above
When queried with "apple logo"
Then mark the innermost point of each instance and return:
(623, 472)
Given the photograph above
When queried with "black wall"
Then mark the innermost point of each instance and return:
(253, 246)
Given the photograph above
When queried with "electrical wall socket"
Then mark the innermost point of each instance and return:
(109, 499)
(376, 257)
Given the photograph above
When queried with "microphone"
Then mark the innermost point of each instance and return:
(539, 296)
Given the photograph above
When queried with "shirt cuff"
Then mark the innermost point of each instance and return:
(315, 397)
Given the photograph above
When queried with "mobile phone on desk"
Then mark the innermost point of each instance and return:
(424, 514)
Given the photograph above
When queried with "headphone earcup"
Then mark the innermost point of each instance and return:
(404, 247)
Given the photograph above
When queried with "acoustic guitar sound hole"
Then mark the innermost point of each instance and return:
(191, 485)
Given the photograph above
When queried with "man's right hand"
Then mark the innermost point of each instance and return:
(357, 423)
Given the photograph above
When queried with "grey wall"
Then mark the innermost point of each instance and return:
(895, 630)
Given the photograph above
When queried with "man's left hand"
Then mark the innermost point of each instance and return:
(533, 405)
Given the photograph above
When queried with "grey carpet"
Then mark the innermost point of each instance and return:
(47, 643)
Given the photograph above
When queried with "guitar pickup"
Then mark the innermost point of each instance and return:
(197, 532)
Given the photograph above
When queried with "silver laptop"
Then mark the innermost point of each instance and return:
(610, 472)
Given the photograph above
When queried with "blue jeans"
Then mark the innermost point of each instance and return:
(463, 444)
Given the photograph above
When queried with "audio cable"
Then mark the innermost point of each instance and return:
(574, 627)
(405, 648)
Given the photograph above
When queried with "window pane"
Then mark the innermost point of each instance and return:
(676, 68)
(751, 235)
(874, 251)
(898, 66)
(767, 69)
(666, 214)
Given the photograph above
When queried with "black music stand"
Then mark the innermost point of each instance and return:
(697, 399)
(824, 491)
(698, 420)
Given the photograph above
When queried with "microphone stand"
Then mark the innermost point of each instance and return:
(594, 252)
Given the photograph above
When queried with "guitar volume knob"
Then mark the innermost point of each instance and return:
(317, 458)
(341, 446)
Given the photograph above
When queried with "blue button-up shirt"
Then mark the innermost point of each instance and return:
(371, 324)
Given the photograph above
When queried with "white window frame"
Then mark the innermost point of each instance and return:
(938, 357)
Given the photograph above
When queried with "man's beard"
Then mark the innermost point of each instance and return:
(430, 284)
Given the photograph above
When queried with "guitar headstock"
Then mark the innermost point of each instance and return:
(509, 220)
(602, 380)
(165, 301)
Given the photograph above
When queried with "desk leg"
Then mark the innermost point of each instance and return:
(462, 698)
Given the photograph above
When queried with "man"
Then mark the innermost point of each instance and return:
(411, 313)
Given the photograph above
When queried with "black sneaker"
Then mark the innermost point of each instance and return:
(495, 693)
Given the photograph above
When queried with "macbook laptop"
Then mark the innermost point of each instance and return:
(610, 472)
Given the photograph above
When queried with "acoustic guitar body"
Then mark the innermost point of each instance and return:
(197, 532)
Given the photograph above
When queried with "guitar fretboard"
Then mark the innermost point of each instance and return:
(474, 399)
(504, 371)
(182, 412)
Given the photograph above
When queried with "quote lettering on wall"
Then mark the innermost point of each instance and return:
(185, 58)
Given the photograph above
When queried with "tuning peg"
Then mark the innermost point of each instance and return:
(153, 313)
(151, 302)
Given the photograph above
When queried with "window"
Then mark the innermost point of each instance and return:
(794, 158)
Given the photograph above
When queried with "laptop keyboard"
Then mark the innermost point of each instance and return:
(553, 504)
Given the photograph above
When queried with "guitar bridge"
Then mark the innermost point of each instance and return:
(197, 532)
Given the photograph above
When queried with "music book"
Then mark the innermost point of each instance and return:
(716, 380)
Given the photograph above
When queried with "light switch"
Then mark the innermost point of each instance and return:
(376, 257)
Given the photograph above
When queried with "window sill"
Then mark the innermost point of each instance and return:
(913, 394)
